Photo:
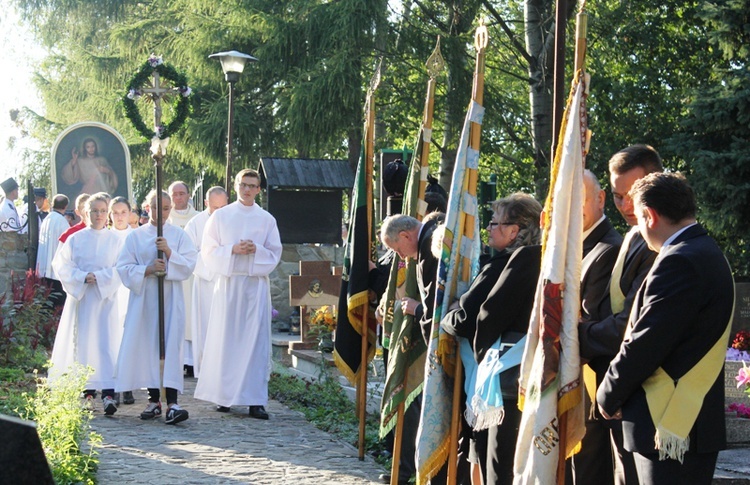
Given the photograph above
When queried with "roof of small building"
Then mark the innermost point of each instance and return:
(305, 173)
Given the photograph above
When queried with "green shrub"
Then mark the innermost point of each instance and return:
(64, 427)
(27, 323)
(324, 404)
(13, 384)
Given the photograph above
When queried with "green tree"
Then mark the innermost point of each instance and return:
(714, 140)
(304, 97)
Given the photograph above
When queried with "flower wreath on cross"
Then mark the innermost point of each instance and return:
(181, 105)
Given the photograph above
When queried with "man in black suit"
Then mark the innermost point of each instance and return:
(601, 245)
(666, 383)
(410, 238)
(600, 337)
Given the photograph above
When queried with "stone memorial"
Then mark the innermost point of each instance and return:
(22, 458)
(316, 285)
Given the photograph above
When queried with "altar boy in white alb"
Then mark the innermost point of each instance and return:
(204, 279)
(241, 245)
(138, 361)
(90, 330)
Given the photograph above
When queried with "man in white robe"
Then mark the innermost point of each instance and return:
(9, 218)
(241, 244)
(203, 277)
(138, 361)
(52, 228)
(182, 213)
(90, 330)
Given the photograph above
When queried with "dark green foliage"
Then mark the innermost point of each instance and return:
(27, 324)
(324, 403)
(713, 140)
(180, 105)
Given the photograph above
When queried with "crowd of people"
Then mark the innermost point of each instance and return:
(655, 306)
(106, 270)
(655, 310)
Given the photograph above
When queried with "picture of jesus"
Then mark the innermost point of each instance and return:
(90, 157)
(90, 169)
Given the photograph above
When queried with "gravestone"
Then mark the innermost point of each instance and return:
(315, 286)
(741, 319)
(731, 393)
(22, 458)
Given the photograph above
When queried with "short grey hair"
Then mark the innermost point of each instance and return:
(395, 224)
(523, 210)
(215, 190)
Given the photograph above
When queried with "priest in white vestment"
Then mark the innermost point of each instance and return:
(90, 331)
(203, 277)
(138, 361)
(182, 213)
(241, 245)
(54, 225)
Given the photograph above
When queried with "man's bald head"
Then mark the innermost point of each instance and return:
(593, 202)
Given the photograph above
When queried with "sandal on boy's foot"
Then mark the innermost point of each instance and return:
(153, 410)
(175, 414)
(127, 397)
(110, 407)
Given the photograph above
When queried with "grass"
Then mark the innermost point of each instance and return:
(325, 405)
(64, 426)
(14, 383)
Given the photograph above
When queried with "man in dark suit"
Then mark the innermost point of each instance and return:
(410, 238)
(601, 245)
(666, 383)
(600, 337)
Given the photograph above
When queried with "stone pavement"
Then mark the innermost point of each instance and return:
(216, 448)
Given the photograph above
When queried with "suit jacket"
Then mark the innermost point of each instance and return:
(680, 312)
(509, 303)
(600, 249)
(427, 265)
(462, 322)
(600, 340)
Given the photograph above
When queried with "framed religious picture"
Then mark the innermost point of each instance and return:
(91, 157)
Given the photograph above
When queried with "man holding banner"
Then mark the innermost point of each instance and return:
(667, 381)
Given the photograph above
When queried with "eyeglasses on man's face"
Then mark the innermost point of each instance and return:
(248, 186)
(98, 211)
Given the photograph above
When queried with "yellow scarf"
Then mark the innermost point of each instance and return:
(674, 408)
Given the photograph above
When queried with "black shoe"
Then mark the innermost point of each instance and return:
(109, 405)
(127, 397)
(223, 409)
(258, 412)
(189, 371)
(384, 478)
(175, 414)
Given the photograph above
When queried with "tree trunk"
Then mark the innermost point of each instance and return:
(458, 83)
(539, 15)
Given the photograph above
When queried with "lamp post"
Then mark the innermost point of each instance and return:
(232, 63)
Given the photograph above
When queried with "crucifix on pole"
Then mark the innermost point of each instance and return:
(158, 150)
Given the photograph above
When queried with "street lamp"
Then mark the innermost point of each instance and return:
(232, 63)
